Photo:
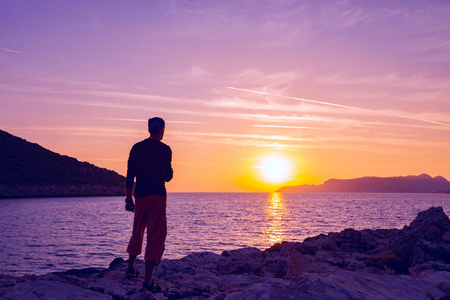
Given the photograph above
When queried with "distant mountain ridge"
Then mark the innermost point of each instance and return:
(29, 170)
(402, 184)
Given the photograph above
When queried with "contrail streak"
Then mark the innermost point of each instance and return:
(282, 126)
(13, 51)
(340, 105)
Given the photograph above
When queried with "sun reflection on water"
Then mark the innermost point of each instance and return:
(274, 228)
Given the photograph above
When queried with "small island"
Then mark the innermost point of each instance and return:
(408, 263)
(423, 183)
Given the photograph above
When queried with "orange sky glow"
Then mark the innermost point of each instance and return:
(256, 94)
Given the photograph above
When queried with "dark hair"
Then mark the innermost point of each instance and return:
(155, 125)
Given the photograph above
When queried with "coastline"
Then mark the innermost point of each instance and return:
(367, 264)
(52, 191)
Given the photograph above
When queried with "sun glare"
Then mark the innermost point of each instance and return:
(275, 169)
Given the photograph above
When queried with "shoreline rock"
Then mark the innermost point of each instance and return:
(408, 263)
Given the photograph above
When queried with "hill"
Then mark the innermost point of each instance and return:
(29, 170)
(407, 184)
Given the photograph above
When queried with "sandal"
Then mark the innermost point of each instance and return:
(132, 273)
(153, 287)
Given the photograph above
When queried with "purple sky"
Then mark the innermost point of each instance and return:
(82, 77)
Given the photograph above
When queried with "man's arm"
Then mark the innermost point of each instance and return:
(167, 167)
(131, 173)
(129, 206)
(129, 193)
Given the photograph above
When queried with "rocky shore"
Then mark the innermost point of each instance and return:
(408, 263)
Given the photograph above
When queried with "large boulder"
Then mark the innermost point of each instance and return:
(424, 239)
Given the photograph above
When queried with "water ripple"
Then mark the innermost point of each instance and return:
(55, 234)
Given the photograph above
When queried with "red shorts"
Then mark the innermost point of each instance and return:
(150, 213)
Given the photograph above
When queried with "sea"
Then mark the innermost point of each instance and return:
(42, 235)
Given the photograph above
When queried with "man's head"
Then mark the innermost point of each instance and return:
(156, 127)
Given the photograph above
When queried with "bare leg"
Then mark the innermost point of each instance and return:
(149, 267)
(131, 261)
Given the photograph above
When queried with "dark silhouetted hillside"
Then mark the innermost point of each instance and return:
(407, 184)
(29, 170)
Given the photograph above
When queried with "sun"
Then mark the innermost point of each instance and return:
(275, 169)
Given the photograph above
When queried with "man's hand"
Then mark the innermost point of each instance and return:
(129, 205)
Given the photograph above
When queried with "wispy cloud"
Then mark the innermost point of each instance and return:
(131, 96)
(183, 122)
(257, 140)
(265, 81)
(345, 15)
(242, 136)
(432, 46)
(418, 81)
(299, 113)
(13, 51)
(199, 73)
(27, 89)
(142, 120)
(76, 83)
(288, 127)
(128, 106)
(81, 130)
(300, 109)
(196, 74)
(267, 104)
(322, 141)
(345, 106)
(97, 93)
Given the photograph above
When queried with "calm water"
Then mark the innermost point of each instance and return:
(54, 234)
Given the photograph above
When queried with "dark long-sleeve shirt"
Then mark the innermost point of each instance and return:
(150, 162)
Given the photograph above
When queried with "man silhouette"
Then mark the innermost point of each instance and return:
(150, 162)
